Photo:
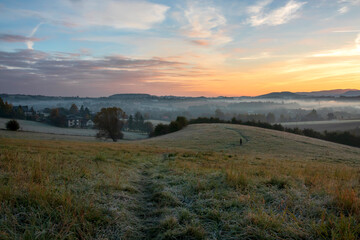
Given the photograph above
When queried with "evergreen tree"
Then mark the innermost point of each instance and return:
(74, 109)
(82, 111)
(130, 122)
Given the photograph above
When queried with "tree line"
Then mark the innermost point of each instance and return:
(137, 123)
(173, 126)
(58, 116)
(7, 110)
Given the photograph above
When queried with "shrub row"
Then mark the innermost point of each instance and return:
(174, 126)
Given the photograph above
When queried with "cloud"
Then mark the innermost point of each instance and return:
(342, 52)
(122, 14)
(347, 31)
(353, 2)
(346, 5)
(119, 14)
(262, 55)
(30, 43)
(278, 16)
(205, 24)
(203, 20)
(17, 38)
(200, 42)
(24, 70)
(343, 10)
(258, 8)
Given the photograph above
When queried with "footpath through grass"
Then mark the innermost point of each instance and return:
(75, 190)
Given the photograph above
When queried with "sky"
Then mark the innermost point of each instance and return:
(177, 47)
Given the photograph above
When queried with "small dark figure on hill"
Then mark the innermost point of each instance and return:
(240, 141)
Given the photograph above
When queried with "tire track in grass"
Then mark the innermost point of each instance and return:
(147, 210)
(246, 139)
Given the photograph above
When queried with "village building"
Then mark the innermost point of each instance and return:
(73, 121)
(25, 109)
(89, 124)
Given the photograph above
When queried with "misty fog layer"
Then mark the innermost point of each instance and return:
(168, 108)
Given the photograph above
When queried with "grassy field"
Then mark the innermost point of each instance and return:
(197, 183)
(56, 132)
(320, 126)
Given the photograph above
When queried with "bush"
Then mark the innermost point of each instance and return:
(162, 129)
(12, 125)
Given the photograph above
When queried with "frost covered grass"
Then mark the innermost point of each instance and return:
(194, 184)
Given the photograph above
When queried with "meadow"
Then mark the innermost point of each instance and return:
(44, 129)
(197, 183)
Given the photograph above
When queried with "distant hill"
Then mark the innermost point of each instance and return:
(131, 96)
(316, 94)
(284, 95)
(332, 93)
(337, 93)
(352, 93)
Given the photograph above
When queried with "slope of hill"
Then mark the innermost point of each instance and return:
(258, 142)
(352, 93)
(332, 93)
(197, 183)
(281, 95)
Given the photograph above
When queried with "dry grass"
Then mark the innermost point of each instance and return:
(194, 184)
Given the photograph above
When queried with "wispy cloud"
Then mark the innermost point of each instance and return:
(119, 14)
(342, 52)
(205, 23)
(281, 15)
(124, 14)
(200, 42)
(30, 42)
(346, 5)
(347, 31)
(70, 72)
(343, 9)
(262, 55)
(17, 38)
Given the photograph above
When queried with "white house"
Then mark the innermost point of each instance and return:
(89, 124)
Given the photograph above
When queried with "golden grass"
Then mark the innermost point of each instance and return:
(193, 184)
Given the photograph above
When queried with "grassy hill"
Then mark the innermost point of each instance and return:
(258, 143)
(197, 183)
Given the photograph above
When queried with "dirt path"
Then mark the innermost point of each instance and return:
(147, 207)
(245, 138)
(147, 210)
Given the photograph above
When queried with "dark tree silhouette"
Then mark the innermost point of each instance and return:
(12, 125)
(57, 118)
(174, 126)
(148, 127)
(74, 109)
(130, 122)
(109, 122)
